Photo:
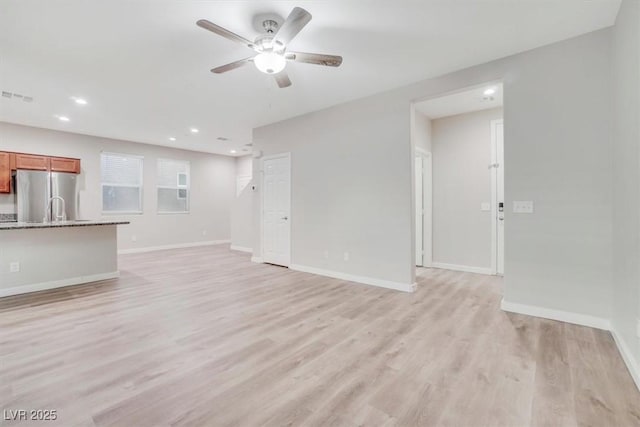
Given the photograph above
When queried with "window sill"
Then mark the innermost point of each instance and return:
(121, 213)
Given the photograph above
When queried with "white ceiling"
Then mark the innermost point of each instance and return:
(143, 65)
(465, 101)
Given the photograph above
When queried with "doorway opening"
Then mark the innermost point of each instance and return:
(458, 141)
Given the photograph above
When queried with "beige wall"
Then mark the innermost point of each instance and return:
(213, 180)
(461, 147)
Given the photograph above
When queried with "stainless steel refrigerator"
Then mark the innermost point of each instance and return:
(46, 196)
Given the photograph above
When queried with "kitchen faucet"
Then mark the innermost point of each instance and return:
(56, 217)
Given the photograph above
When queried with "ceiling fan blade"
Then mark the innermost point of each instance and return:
(231, 66)
(295, 22)
(282, 78)
(203, 23)
(315, 58)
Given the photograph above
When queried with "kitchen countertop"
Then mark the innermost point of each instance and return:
(58, 224)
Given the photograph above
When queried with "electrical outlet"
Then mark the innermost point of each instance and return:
(204, 232)
(638, 328)
(14, 267)
(346, 256)
(523, 207)
(134, 238)
(326, 254)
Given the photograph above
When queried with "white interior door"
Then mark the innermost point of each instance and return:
(419, 168)
(276, 211)
(499, 208)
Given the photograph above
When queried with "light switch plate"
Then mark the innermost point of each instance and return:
(485, 207)
(525, 207)
(14, 267)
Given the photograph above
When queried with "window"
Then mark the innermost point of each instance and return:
(121, 176)
(173, 186)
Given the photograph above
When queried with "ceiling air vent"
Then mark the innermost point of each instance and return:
(13, 95)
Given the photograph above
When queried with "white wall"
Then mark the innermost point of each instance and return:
(626, 178)
(213, 182)
(352, 171)
(92, 250)
(242, 207)
(7, 203)
(461, 147)
(422, 131)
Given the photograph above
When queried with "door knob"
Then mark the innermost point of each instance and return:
(285, 218)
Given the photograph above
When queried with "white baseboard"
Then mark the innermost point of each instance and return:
(627, 356)
(563, 316)
(241, 248)
(175, 246)
(465, 268)
(405, 287)
(257, 259)
(36, 287)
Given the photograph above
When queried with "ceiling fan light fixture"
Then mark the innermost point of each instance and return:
(270, 48)
(270, 62)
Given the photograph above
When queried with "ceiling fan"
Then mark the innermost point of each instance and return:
(271, 48)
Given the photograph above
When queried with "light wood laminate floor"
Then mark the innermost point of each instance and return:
(203, 336)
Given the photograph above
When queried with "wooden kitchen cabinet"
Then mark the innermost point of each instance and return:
(32, 162)
(5, 172)
(37, 162)
(63, 164)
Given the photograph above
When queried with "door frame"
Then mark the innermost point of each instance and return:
(419, 209)
(494, 193)
(262, 182)
(427, 200)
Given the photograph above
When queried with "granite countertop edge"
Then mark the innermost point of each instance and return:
(60, 224)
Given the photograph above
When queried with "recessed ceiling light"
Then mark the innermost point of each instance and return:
(194, 130)
(79, 101)
(490, 91)
(232, 151)
(171, 138)
(63, 118)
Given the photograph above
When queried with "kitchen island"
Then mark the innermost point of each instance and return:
(39, 256)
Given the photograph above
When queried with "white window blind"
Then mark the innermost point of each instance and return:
(173, 186)
(121, 176)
